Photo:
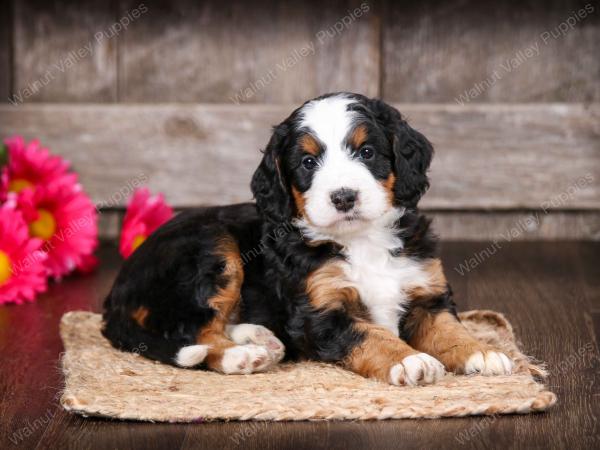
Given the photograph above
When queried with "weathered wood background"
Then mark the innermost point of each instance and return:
(181, 94)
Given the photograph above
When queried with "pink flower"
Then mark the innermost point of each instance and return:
(31, 165)
(22, 268)
(66, 220)
(3, 184)
(144, 215)
(88, 264)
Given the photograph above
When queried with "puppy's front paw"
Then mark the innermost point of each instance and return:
(489, 363)
(420, 368)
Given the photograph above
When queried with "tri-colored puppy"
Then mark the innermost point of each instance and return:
(333, 263)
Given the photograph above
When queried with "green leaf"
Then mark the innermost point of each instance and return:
(3, 155)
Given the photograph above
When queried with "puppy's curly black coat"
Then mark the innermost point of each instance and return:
(295, 263)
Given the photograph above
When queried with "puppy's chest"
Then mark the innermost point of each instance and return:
(383, 281)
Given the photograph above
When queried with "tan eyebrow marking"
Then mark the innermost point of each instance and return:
(359, 136)
(310, 145)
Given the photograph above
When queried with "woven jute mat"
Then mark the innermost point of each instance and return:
(102, 381)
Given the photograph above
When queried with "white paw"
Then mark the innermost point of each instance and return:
(244, 359)
(489, 363)
(248, 333)
(417, 369)
(191, 356)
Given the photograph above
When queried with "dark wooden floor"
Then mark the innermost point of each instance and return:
(549, 291)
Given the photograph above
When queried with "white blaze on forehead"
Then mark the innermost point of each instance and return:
(329, 119)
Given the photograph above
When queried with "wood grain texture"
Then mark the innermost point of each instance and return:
(109, 224)
(266, 51)
(488, 156)
(434, 52)
(545, 289)
(499, 226)
(510, 226)
(511, 156)
(57, 55)
(5, 49)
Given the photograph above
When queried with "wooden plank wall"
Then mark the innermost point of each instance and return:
(178, 90)
(528, 51)
(5, 49)
(56, 55)
(207, 153)
(258, 52)
(209, 51)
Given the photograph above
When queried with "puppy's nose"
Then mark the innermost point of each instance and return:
(343, 199)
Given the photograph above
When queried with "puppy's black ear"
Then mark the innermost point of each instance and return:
(412, 154)
(268, 183)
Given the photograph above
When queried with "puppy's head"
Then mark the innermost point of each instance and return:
(341, 161)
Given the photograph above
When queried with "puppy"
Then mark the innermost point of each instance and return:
(333, 263)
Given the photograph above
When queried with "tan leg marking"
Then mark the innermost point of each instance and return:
(378, 353)
(223, 354)
(225, 303)
(444, 337)
(441, 335)
(139, 315)
(385, 357)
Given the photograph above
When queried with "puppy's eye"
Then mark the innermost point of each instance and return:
(309, 162)
(366, 152)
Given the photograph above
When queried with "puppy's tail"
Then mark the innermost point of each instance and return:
(127, 335)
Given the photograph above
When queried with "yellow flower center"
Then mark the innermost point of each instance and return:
(5, 268)
(137, 241)
(44, 227)
(18, 185)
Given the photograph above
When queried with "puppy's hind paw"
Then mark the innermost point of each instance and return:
(245, 359)
(191, 356)
(248, 333)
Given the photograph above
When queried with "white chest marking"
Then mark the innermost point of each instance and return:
(382, 280)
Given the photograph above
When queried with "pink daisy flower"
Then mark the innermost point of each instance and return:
(22, 268)
(145, 213)
(3, 184)
(31, 165)
(88, 264)
(66, 220)
(3, 173)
